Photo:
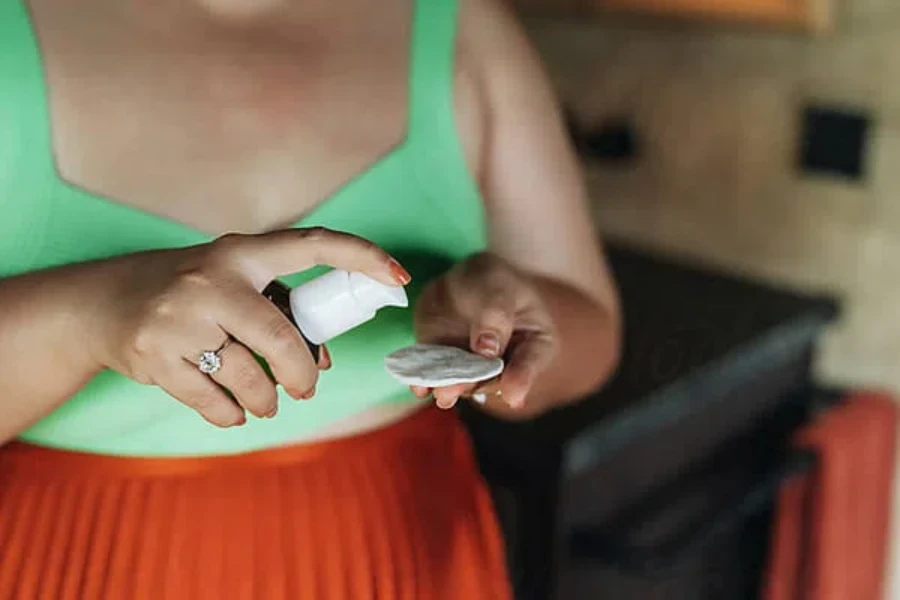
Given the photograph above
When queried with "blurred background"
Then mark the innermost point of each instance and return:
(721, 112)
(750, 143)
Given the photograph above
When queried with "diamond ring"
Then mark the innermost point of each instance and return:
(211, 360)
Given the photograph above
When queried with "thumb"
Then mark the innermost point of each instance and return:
(492, 328)
(270, 255)
(530, 356)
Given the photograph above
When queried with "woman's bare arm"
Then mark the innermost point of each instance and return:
(537, 203)
(44, 341)
(149, 316)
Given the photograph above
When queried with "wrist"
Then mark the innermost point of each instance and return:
(89, 298)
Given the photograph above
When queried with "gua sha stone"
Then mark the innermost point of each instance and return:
(431, 365)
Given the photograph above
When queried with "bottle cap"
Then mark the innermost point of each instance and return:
(338, 301)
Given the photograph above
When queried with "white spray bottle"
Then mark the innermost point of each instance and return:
(332, 304)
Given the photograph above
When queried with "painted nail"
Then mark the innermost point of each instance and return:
(399, 274)
(488, 344)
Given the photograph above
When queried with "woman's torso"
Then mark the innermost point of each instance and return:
(192, 121)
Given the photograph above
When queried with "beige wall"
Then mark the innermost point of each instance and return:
(717, 111)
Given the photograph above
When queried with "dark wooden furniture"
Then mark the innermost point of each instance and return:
(659, 485)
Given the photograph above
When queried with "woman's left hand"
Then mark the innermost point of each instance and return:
(490, 307)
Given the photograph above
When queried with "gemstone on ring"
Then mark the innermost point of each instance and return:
(210, 362)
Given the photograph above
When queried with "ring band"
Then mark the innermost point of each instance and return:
(211, 360)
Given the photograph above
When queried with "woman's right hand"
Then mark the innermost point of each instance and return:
(163, 309)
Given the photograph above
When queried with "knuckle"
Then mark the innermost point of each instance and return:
(368, 246)
(315, 234)
(374, 251)
(160, 310)
(190, 286)
(201, 401)
(249, 378)
(495, 315)
(316, 239)
(283, 336)
(193, 279)
(493, 272)
(144, 341)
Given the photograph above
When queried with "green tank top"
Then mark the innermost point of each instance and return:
(419, 202)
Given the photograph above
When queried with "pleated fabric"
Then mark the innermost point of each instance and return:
(398, 513)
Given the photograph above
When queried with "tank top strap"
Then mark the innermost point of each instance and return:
(435, 24)
(438, 158)
(25, 145)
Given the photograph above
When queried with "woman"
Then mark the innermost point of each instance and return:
(316, 133)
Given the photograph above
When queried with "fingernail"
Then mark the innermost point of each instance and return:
(271, 413)
(399, 274)
(241, 421)
(309, 393)
(480, 397)
(488, 344)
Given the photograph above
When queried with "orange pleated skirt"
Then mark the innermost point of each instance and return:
(398, 513)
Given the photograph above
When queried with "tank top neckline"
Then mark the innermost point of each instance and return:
(381, 162)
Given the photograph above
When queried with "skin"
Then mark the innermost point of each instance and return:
(217, 81)
(543, 292)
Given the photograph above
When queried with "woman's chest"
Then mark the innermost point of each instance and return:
(236, 132)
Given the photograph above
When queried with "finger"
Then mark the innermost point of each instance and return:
(196, 390)
(259, 325)
(278, 253)
(324, 359)
(446, 397)
(243, 376)
(528, 358)
(487, 391)
(420, 391)
(492, 327)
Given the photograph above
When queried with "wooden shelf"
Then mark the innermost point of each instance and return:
(810, 15)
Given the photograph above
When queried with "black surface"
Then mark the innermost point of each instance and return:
(706, 356)
(598, 544)
(699, 532)
(834, 141)
(680, 325)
